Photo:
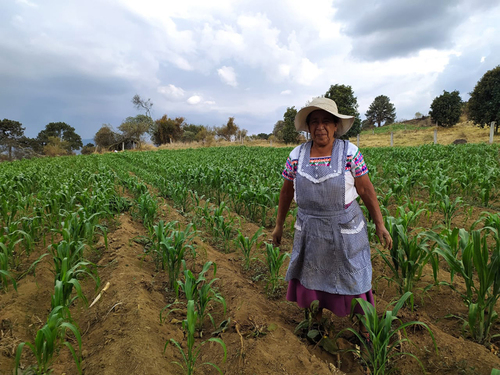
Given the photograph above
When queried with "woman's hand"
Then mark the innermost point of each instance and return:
(384, 236)
(277, 234)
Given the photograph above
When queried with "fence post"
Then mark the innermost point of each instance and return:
(492, 128)
(373, 131)
(392, 139)
(357, 139)
(435, 136)
(271, 141)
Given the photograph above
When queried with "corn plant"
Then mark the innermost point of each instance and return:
(192, 353)
(450, 241)
(47, 342)
(386, 334)
(246, 244)
(5, 275)
(449, 208)
(147, 209)
(481, 274)
(274, 262)
(67, 280)
(169, 249)
(407, 257)
(199, 290)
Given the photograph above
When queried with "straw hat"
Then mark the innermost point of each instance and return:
(327, 105)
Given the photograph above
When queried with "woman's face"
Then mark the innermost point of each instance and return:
(322, 127)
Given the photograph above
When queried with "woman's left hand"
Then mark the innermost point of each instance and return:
(384, 236)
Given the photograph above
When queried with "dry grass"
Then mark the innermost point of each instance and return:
(425, 135)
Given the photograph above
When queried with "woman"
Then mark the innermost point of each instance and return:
(330, 261)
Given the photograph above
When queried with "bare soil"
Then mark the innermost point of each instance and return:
(122, 333)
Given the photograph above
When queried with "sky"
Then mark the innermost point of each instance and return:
(81, 62)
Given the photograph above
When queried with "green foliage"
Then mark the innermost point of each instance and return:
(407, 257)
(89, 148)
(446, 109)
(484, 100)
(347, 104)
(166, 130)
(246, 244)
(133, 128)
(278, 130)
(169, 248)
(62, 131)
(229, 131)
(381, 111)
(106, 138)
(480, 268)
(387, 333)
(290, 135)
(274, 262)
(190, 357)
(10, 133)
(201, 292)
(48, 340)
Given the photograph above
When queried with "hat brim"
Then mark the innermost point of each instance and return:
(343, 127)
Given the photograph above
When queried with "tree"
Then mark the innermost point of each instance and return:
(10, 133)
(133, 128)
(89, 148)
(62, 131)
(105, 138)
(56, 147)
(418, 115)
(381, 111)
(190, 131)
(166, 130)
(228, 131)
(484, 102)
(290, 135)
(264, 136)
(347, 104)
(144, 104)
(446, 108)
(278, 130)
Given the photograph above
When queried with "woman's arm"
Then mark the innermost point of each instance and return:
(286, 196)
(366, 191)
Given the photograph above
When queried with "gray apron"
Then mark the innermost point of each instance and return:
(331, 251)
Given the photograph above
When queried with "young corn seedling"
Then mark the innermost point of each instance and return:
(192, 353)
(274, 262)
(449, 208)
(406, 259)
(170, 249)
(450, 241)
(480, 268)
(246, 244)
(5, 276)
(147, 209)
(201, 292)
(386, 333)
(67, 280)
(47, 342)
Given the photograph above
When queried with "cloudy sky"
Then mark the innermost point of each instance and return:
(81, 62)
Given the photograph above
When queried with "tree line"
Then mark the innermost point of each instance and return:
(59, 138)
(482, 108)
(162, 131)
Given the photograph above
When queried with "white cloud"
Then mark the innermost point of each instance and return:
(227, 75)
(28, 3)
(483, 58)
(286, 92)
(209, 102)
(171, 91)
(195, 99)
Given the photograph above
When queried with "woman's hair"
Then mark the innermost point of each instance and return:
(336, 120)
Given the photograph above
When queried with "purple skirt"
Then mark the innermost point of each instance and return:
(339, 304)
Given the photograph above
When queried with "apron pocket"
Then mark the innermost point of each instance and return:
(355, 240)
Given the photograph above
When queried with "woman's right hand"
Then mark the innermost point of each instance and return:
(277, 234)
